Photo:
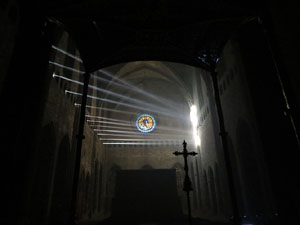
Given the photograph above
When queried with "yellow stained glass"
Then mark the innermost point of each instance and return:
(145, 123)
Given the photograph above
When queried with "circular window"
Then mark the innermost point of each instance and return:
(145, 123)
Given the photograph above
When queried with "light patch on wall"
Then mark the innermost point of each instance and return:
(194, 120)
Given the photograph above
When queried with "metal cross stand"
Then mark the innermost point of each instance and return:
(187, 181)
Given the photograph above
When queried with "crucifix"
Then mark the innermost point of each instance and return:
(187, 186)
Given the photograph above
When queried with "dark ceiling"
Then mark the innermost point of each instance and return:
(112, 32)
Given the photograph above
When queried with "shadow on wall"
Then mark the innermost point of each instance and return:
(61, 200)
(43, 164)
(249, 169)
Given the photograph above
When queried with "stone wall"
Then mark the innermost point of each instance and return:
(210, 198)
(52, 166)
(9, 24)
(186, 86)
(246, 155)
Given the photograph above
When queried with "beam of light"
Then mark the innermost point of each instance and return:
(111, 121)
(126, 143)
(72, 92)
(66, 53)
(124, 104)
(117, 131)
(124, 85)
(131, 131)
(104, 121)
(110, 101)
(137, 143)
(134, 133)
(136, 139)
(131, 87)
(132, 100)
(67, 79)
(121, 131)
(171, 129)
(118, 135)
(105, 109)
(158, 128)
(114, 83)
(66, 67)
(162, 136)
(108, 122)
(105, 118)
(95, 126)
(194, 120)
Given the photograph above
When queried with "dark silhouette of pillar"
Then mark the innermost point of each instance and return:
(80, 138)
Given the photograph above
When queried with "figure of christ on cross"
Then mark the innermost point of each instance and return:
(187, 187)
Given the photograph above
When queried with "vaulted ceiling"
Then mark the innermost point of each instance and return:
(160, 89)
(112, 32)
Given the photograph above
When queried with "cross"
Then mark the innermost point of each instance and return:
(187, 181)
